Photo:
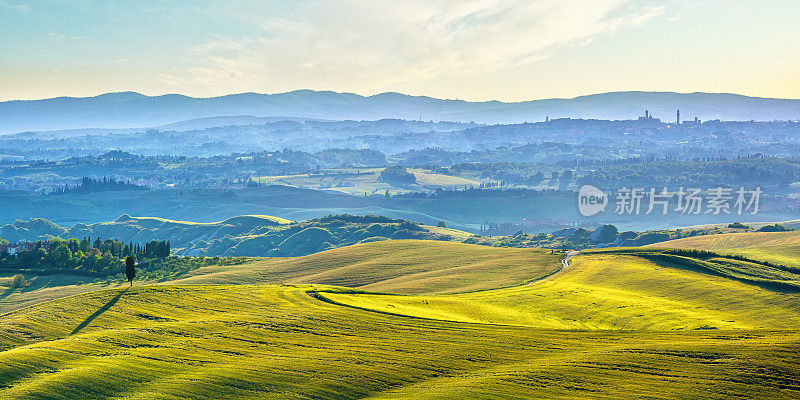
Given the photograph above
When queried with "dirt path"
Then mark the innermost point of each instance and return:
(564, 265)
(565, 260)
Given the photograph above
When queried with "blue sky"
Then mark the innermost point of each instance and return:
(467, 49)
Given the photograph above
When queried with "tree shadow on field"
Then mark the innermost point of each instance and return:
(100, 311)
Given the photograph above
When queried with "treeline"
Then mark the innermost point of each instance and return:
(481, 193)
(91, 185)
(764, 172)
(397, 174)
(98, 257)
(511, 173)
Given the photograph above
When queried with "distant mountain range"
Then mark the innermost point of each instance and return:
(135, 110)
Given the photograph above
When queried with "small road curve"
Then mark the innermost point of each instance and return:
(564, 265)
(567, 256)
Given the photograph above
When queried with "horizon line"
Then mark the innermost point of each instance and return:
(396, 93)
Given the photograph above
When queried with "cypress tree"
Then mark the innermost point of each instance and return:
(130, 269)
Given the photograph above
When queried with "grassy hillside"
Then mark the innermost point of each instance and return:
(244, 342)
(609, 325)
(41, 289)
(779, 247)
(358, 181)
(397, 266)
(606, 291)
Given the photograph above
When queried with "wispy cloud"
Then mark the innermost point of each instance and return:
(16, 7)
(377, 44)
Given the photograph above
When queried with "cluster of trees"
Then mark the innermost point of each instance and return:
(91, 185)
(773, 228)
(151, 249)
(98, 257)
(397, 174)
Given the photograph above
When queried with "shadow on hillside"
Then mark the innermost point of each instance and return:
(38, 282)
(34, 283)
(31, 286)
(7, 292)
(767, 284)
(100, 311)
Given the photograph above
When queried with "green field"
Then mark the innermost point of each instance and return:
(396, 266)
(42, 288)
(357, 181)
(461, 321)
(608, 292)
(778, 247)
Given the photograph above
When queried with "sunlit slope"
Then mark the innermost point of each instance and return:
(777, 247)
(396, 266)
(272, 342)
(40, 289)
(607, 291)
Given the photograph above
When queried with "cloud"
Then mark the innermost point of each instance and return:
(17, 7)
(376, 45)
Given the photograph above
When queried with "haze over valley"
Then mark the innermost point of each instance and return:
(481, 199)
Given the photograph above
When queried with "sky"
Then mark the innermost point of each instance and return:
(508, 50)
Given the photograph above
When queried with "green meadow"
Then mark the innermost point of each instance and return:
(413, 319)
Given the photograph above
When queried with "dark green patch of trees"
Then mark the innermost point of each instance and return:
(773, 228)
(91, 185)
(397, 174)
(98, 257)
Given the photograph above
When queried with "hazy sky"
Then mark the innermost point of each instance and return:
(467, 49)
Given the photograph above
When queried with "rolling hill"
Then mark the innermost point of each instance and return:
(606, 326)
(396, 266)
(778, 247)
(135, 110)
(244, 235)
(606, 291)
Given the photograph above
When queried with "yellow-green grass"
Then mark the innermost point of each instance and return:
(778, 247)
(357, 181)
(606, 291)
(42, 288)
(273, 342)
(269, 218)
(458, 234)
(396, 266)
(608, 326)
(427, 178)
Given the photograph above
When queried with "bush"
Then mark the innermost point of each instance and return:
(18, 281)
(773, 228)
(738, 225)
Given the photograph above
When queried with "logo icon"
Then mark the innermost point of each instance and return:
(591, 200)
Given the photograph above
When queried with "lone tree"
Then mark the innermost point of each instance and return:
(130, 269)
